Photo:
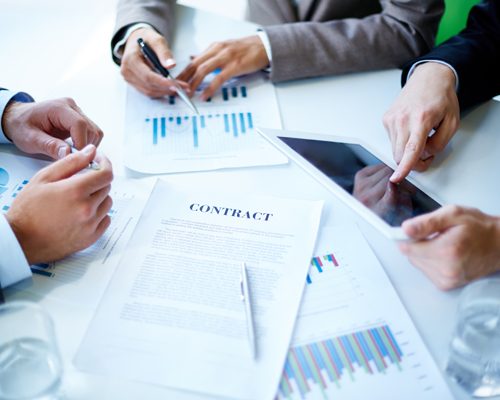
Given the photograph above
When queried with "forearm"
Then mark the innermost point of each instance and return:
(160, 14)
(307, 49)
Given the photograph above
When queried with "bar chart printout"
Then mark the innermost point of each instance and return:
(319, 263)
(163, 136)
(320, 364)
(353, 339)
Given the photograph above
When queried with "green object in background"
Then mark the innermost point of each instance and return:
(454, 18)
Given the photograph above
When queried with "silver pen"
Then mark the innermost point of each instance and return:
(151, 56)
(93, 164)
(245, 296)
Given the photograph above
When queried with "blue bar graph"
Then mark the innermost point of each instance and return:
(228, 93)
(167, 128)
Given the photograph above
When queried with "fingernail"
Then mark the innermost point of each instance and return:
(170, 62)
(87, 150)
(394, 177)
(62, 152)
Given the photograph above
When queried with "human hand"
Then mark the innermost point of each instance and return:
(390, 201)
(136, 70)
(42, 127)
(233, 57)
(454, 245)
(427, 101)
(61, 211)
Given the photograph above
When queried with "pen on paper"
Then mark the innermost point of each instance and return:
(152, 58)
(246, 297)
(93, 164)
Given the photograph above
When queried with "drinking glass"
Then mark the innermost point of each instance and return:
(30, 364)
(474, 360)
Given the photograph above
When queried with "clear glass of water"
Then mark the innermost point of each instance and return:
(30, 364)
(474, 361)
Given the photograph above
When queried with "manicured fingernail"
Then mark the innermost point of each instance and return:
(170, 63)
(87, 150)
(62, 152)
(394, 177)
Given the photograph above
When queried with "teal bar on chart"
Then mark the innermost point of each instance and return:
(226, 123)
(195, 131)
(155, 130)
(242, 123)
(250, 120)
(243, 91)
(235, 125)
(163, 121)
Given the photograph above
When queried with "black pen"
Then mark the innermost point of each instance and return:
(151, 56)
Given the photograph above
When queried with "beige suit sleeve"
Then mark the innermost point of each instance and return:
(157, 13)
(404, 29)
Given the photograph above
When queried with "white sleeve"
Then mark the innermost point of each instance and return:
(267, 45)
(5, 97)
(412, 69)
(13, 264)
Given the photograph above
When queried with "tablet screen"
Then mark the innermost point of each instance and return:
(364, 177)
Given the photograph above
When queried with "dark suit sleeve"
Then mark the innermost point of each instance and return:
(475, 55)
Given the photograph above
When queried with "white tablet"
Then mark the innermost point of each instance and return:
(353, 173)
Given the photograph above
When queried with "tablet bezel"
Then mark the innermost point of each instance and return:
(395, 233)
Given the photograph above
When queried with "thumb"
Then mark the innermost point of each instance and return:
(437, 221)
(49, 145)
(69, 165)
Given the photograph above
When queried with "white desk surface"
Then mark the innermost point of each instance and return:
(59, 48)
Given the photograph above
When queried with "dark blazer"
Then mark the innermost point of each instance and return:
(475, 55)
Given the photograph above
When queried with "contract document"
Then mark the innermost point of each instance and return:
(353, 337)
(82, 277)
(165, 136)
(173, 315)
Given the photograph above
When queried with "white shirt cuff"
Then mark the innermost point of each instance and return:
(13, 264)
(5, 97)
(267, 45)
(118, 49)
(412, 69)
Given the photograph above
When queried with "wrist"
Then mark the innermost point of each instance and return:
(20, 237)
(438, 72)
(8, 117)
